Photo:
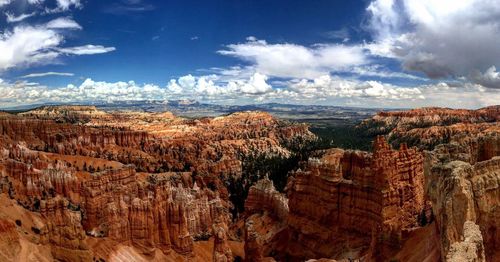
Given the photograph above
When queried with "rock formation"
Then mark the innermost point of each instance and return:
(463, 183)
(263, 197)
(148, 180)
(266, 214)
(428, 127)
(470, 248)
(346, 201)
(66, 234)
(222, 252)
(81, 184)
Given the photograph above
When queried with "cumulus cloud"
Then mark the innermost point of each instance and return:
(11, 18)
(439, 38)
(490, 78)
(63, 23)
(216, 87)
(23, 92)
(205, 88)
(47, 74)
(325, 90)
(291, 60)
(256, 85)
(328, 86)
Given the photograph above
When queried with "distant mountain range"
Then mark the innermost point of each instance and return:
(193, 108)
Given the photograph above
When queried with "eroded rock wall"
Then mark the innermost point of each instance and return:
(347, 201)
(462, 188)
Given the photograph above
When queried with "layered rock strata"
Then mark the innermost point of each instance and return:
(152, 181)
(429, 127)
(345, 202)
(266, 214)
(463, 183)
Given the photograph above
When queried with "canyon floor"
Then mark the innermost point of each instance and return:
(80, 183)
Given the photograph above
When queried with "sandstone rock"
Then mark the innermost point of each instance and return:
(9, 241)
(222, 252)
(346, 201)
(66, 234)
(428, 127)
(462, 189)
(263, 197)
(470, 248)
(88, 173)
(253, 247)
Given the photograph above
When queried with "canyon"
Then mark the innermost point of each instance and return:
(81, 184)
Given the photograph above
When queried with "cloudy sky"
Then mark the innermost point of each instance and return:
(379, 53)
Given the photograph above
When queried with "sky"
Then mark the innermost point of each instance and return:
(378, 53)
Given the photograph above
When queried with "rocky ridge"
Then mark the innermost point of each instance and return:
(429, 127)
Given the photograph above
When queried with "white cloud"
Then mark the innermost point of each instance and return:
(62, 5)
(23, 92)
(328, 90)
(4, 2)
(439, 38)
(331, 87)
(325, 90)
(86, 50)
(11, 18)
(219, 88)
(256, 85)
(28, 45)
(47, 74)
(66, 4)
(31, 45)
(35, 2)
(63, 23)
(291, 60)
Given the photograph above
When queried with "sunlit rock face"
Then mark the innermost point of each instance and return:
(100, 182)
(463, 182)
(353, 203)
(265, 224)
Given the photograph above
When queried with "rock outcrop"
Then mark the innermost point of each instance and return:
(463, 189)
(266, 214)
(263, 197)
(222, 252)
(347, 202)
(470, 248)
(65, 231)
(429, 127)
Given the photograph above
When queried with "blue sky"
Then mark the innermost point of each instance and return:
(385, 53)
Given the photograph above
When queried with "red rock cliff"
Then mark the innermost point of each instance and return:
(346, 201)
